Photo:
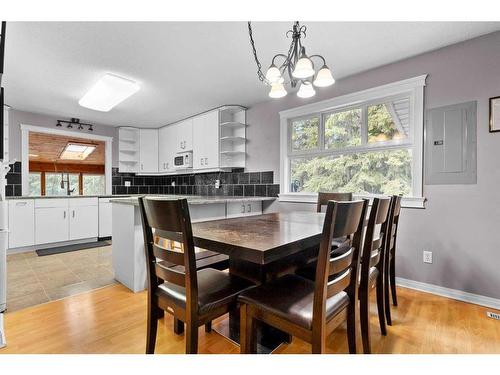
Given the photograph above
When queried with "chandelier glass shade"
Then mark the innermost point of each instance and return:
(294, 69)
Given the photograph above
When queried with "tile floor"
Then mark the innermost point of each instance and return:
(32, 280)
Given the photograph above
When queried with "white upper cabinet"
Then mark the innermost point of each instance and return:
(165, 149)
(206, 141)
(148, 150)
(183, 135)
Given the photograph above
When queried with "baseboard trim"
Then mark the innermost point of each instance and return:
(450, 293)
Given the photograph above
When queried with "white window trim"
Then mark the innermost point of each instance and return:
(413, 87)
(26, 129)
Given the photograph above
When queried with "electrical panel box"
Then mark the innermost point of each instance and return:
(450, 145)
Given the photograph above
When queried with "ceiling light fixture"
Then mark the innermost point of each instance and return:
(298, 67)
(75, 121)
(109, 91)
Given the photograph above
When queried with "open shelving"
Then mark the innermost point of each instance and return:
(232, 145)
(128, 149)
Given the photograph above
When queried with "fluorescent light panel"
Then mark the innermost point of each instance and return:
(109, 91)
(74, 151)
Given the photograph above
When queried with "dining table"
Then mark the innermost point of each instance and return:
(262, 248)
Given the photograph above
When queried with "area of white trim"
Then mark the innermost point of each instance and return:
(450, 293)
(414, 87)
(25, 249)
(25, 129)
(312, 198)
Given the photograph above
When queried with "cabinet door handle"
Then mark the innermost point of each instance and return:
(206, 161)
(242, 208)
(142, 166)
(21, 203)
(64, 214)
(73, 213)
(249, 208)
(201, 161)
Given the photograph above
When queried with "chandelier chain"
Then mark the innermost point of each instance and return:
(261, 75)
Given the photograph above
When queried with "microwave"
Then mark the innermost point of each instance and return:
(183, 160)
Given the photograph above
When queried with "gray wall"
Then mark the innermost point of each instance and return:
(28, 118)
(461, 223)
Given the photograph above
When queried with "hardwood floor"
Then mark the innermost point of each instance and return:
(113, 320)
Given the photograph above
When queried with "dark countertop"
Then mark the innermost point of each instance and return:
(193, 199)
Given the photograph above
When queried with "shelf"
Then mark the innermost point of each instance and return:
(233, 139)
(233, 124)
(129, 151)
(231, 153)
(128, 140)
(128, 161)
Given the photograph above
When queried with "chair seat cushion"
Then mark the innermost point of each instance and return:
(291, 298)
(215, 288)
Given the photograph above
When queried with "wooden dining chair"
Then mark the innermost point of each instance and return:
(372, 268)
(390, 259)
(311, 310)
(339, 245)
(191, 296)
(324, 198)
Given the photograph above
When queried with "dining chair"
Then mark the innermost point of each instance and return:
(192, 297)
(372, 267)
(325, 197)
(390, 259)
(339, 245)
(311, 310)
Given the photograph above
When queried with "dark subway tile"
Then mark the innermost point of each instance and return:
(143, 189)
(183, 189)
(260, 190)
(18, 191)
(9, 190)
(154, 189)
(16, 168)
(233, 178)
(132, 190)
(272, 190)
(113, 190)
(243, 178)
(114, 171)
(13, 178)
(189, 190)
(138, 181)
(228, 190)
(267, 177)
(255, 178)
(238, 190)
(211, 190)
(121, 190)
(171, 190)
(249, 190)
(116, 181)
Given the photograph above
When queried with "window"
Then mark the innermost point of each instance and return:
(94, 184)
(35, 183)
(56, 183)
(371, 147)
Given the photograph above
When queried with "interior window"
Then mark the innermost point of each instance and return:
(56, 184)
(35, 184)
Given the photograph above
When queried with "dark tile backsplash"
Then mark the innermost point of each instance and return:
(236, 183)
(13, 187)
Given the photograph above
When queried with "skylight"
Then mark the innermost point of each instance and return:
(109, 91)
(74, 151)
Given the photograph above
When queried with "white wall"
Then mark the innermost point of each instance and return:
(461, 223)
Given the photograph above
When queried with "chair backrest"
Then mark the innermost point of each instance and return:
(393, 223)
(373, 248)
(335, 274)
(169, 220)
(324, 198)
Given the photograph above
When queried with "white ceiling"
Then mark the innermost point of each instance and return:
(187, 67)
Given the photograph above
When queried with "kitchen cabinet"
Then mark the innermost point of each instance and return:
(105, 217)
(128, 149)
(206, 141)
(21, 223)
(51, 220)
(83, 218)
(244, 208)
(148, 151)
(167, 139)
(183, 136)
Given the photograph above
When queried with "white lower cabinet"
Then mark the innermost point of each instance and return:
(51, 221)
(244, 208)
(83, 218)
(21, 223)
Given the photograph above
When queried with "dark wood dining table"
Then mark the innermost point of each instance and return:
(262, 248)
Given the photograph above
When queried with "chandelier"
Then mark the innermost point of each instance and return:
(296, 66)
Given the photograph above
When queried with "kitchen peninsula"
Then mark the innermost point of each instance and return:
(128, 244)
